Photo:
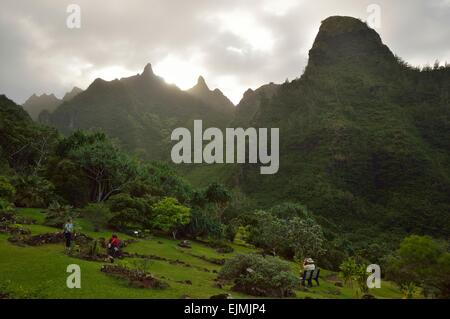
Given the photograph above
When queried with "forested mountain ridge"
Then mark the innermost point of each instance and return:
(249, 106)
(214, 98)
(364, 176)
(364, 137)
(140, 111)
(35, 105)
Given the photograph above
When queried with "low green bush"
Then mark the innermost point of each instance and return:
(260, 276)
(98, 214)
(58, 214)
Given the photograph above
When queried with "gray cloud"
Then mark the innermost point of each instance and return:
(234, 44)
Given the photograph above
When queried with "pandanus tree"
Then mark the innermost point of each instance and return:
(106, 166)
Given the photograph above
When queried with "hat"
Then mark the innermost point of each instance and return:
(309, 260)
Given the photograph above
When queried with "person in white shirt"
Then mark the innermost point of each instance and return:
(68, 231)
(308, 268)
(308, 264)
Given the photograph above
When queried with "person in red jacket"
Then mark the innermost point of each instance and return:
(113, 247)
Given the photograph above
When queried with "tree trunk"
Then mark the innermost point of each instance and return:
(99, 192)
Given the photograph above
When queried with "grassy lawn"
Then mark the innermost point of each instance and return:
(41, 271)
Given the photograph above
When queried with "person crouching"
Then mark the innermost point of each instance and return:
(113, 248)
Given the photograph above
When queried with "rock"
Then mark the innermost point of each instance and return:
(225, 250)
(102, 242)
(4, 295)
(136, 278)
(221, 296)
(185, 244)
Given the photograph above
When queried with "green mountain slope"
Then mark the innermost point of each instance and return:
(140, 111)
(39, 106)
(213, 98)
(364, 139)
(35, 104)
(249, 106)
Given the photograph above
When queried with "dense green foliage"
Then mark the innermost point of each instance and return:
(40, 271)
(355, 273)
(259, 276)
(290, 233)
(57, 214)
(364, 140)
(140, 112)
(424, 262)
(170, 215)
(365, 162)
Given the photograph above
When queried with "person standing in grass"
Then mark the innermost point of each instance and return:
(68, 231)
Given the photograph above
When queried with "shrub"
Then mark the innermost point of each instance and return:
(130, 212)
(289, 210)
(259, 276)
(7, 191)
(354, 272)
(170, 215)
(231, 230)
(33, 191)
(5, 206)
(218, 195)
(58, 214)
(98, 214)
(423, 261)
(204, 223)
(296, 236)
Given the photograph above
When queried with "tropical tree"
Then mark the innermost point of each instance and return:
(305, 237)
(7, 191)
(354, 272)
(108, 168)
(128, 211)
(170, 215)
(219, 195)
(204, 223)
(423, 261)
(33, 191)
(299, 237)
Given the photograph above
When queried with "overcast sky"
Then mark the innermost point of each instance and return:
(235, 45)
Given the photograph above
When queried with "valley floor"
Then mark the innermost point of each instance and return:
(40, 271)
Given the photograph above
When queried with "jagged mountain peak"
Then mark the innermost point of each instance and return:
(214, 98)
(148, 70)
(35, 104)
(342, 38)
(74, 92)
(200, 86)
(201, 82)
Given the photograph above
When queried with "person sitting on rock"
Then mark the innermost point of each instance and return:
(113, 247)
